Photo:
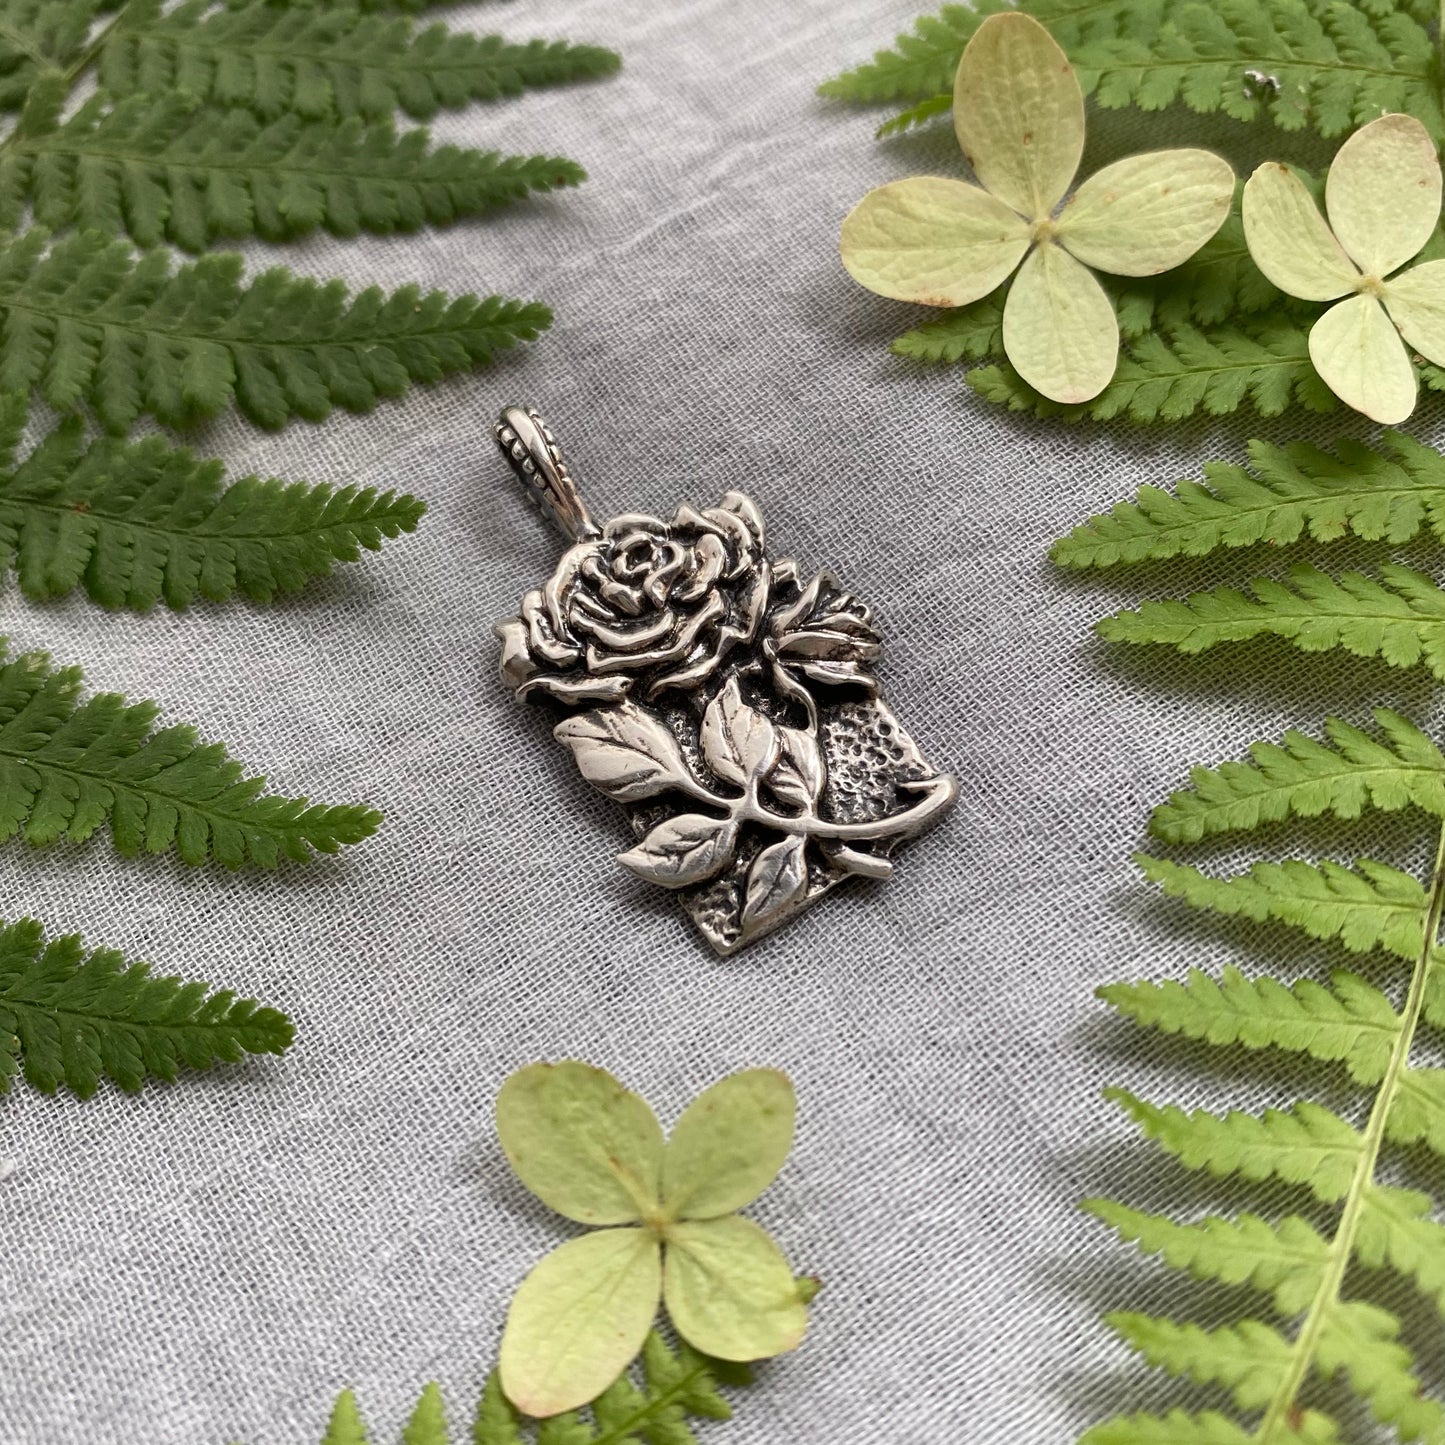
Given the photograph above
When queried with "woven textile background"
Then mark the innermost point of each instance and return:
(212, 1262)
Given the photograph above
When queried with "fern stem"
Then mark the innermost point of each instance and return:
(91, 53)
(1275, 1428)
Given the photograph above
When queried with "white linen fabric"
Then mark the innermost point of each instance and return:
(213, 1261)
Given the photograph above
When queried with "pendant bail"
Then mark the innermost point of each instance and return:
(532, 451)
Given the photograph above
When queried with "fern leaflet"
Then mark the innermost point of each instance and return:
(88, 320)
(1286, 493)
(166, 169)
(651, 1402)
(326, 60)
(1399, 618)
(38, 38)
(74, 1017)
(67, 766)
(1303, 777)
(136, 523)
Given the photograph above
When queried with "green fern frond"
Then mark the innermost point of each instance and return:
(1327, 67)
(1169, 376)
(1286, 1262)
(1352, 1023)
(1248, 1359)
(1219, 283)
(1368, 906)
(39, 38)
(1287, 493)
(136, 523)
(922, 62)
(1399, 618)
(86, 320)
(346, 1426)
(74, 1018)
(653, 1401)
(163, 168)
(67, 766)
(1303, 777)
(1362, 1341)
(1396, 1232)
(1209, 1427)
(1305, 1145)
(916, 115)
(961, 333)
(1418, 1115)
(327, 60)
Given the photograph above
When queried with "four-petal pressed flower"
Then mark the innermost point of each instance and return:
(1383, 198)
(669, 1231)
(1018, 110)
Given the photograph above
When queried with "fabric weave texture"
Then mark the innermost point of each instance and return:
(212, 1262)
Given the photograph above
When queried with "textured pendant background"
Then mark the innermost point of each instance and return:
(731, 706)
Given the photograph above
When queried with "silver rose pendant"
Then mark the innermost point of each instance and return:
(729, 704)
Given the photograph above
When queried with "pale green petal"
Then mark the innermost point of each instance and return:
(1148, 213)
(1358, 352)
(1383, 193)
(729, 1145)
(1019, 113)
(729, 1290)
(1415, 300)
(1288, 238)
(933, 240)
(581, 1142)
(1059, 328)
(579, 1319)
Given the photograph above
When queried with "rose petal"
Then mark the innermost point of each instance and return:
(932, 240)
(709, 558)
(574, 559)
(1059, 328)
(1148, 213)
(729, 1290)
(1359, 354)
(516, 664)
(683, 642)
(1019, 113)
(1415, 300)
(744, 506)
(634, 522)
(1288, 238)
(1383, 193)
(579, 1319)
(741, 539)
(577, 687)
(540, 635)
(729, 1145)
(625, 639)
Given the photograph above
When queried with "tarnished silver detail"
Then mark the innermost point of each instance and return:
(729, 704)
(535, 457)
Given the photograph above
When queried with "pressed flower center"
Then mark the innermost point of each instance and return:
(1370, 286)
(1044, 229)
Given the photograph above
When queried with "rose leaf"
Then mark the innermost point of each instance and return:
(624, 752)
(683, 850)
(776, 881)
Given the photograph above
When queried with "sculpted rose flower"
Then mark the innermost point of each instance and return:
(646, 602)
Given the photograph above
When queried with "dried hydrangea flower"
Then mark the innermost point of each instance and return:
(1383, 199)
(1018, 110)
(669, 1228)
